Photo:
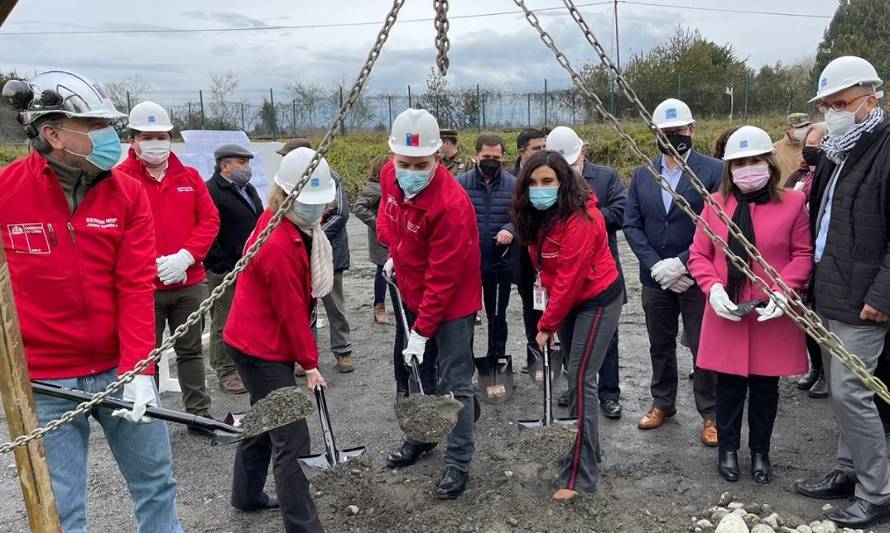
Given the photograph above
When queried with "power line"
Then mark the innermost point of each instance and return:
(298, 27)
(726, 10)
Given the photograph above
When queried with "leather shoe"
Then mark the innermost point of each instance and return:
(807, 380)
(655, 417)
(266, 502)
(709, 433)
(453, 483)
(563, 400)
(233, 385)
(611, 409)
(819, 389)
(728, 465)
(859, 514)
(408, 454)
(834, 486)
(760, 468)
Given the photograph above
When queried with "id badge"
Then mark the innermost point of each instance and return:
(539, 296)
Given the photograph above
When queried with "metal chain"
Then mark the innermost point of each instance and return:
(795, 308)
(242, 263)
(442, 42)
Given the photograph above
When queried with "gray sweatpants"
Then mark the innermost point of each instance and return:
(862, 450)
(338, 327)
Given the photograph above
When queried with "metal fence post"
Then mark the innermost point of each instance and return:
(201, 98)
(389, 105)
(242, 117)
(529, 108)
(129, 107)
(545, 101)
(410, 105)
(478, 109)
(188, 118)
(483, 111)
(342, 124)
(747, 92)
(573, 108)
(274, 115)
(294, 106)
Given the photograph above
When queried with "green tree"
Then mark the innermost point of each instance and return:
(860, 28)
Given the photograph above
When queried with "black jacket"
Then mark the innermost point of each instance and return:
(855, 265)
(492, 204)
(237, 218)
(334, 225)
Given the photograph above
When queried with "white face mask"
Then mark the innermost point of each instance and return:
(799, 134)
(839, 122)
(154, 152)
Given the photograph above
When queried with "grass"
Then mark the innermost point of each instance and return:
(351, 155)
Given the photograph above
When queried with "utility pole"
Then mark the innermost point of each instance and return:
(201, 98)
(617, 42)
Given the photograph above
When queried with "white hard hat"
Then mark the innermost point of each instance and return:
(845, 72)
(61, 93)
(149, 116)
(415, 133)
(565, 141)
(748, 141)
(320, 189)
(672, 113)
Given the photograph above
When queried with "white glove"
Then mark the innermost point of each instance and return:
(140, 391)
(171, 268)
(667, 271)
(772, 309)
(388, 268)
(415, 348)
(721, 304)
(681, 285)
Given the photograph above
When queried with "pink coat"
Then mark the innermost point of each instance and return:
(775, 347)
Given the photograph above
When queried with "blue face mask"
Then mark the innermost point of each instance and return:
(106, 150)
(412, 181)
(309, 213)
(542, 198)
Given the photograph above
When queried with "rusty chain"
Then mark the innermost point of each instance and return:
(249, 254)
(442, 42)
(795, 308)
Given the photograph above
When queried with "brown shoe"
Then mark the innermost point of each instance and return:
(709, 433)
(233, 385)
(380, 315)
(345, 364)
(655, 417)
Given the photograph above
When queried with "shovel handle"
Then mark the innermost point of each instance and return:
(400, 310)
(324, 418)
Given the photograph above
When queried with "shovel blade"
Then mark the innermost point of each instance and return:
(351, 453)
(496, 379)
(317, 462)
(530, 424)
(568, 422)
(536, 366)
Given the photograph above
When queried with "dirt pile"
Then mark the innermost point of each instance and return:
(427, 418)
(279, 408)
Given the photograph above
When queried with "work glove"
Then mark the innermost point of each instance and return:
(772, 309)
(140, 391)
(415, 348)
(667, 271)
(721, 304)
(388, 268)
(171, 268)
(681, 285)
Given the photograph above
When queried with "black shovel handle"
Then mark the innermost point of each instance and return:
(169, 415)
(400, 310)
(325, 419)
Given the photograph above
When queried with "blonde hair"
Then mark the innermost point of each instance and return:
(276, 198)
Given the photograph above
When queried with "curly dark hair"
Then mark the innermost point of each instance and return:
(572, 197)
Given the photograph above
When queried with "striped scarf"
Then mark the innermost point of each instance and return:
(836, 149)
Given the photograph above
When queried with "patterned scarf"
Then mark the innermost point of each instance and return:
(321, 259)
(837, 149)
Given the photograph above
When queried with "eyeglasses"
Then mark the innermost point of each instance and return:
(840, 105)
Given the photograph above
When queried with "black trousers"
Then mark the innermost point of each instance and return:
(429, 367)
(496, 285)
(282, 446)
(815, 353)
(526, 285)
(609, 388)
(763, 403)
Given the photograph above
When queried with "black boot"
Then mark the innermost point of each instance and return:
(760, 468)
(728, 465)
(819, 389)
(809, 379)
(453, 483)
(401, 389)
(408, 454)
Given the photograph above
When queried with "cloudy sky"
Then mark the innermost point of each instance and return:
(499, 50)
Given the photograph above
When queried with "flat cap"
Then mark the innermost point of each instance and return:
(798, 120)
(232, 150)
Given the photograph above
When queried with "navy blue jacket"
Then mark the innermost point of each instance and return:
(654, 235)
(612, 196)
(492, 204)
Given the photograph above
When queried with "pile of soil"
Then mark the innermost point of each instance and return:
(279, 408)
(426, 418)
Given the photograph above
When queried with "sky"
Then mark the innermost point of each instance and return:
(501, 51)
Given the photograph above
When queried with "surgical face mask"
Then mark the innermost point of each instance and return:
(240, 176)
(799, 134)
(751, 178)
(309, 213)
(840, 122)
(412, 181)
(682, 143)
(106, 150)
(542, 198)
(810, 154)
(154, 152)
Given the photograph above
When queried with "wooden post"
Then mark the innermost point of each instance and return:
(21, 415)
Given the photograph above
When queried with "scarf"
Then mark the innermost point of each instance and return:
(837, 148)
(742, 218)
(321, 258)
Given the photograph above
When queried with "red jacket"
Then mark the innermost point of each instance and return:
(575, 264)
(270, 315)
(82, 282)
(434, 244)
(185, 215)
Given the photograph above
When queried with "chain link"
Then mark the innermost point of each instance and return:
(242, 263)
(794, 308)
(442, 42)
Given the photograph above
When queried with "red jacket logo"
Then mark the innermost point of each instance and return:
(185, 189)
(103, 223)
(28, 238)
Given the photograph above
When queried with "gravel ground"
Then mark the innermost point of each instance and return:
(652, 481)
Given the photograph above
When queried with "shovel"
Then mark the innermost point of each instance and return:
(548, 419)
(496, 372)
(536, 364)
(331, 456)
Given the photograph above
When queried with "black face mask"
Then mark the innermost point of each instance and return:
(681, 143)
(811, 154)
(489, 167)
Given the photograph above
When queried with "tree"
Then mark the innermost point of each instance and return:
(128, 92)
(224, 115)
(859, 28)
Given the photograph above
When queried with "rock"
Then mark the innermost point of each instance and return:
(736, 505)
(762, 528)
(512, 521)
(772, 521)
(467, 528)
(732, 523)
(804, 529)
(766, 509)
(751, 519)
(817, 528)
(690, 509)
(352, 509)
(754, 508)
(704, 524)
(827, 507)
(828, 526)
(508, 474)
(725, 498)
(718, 515)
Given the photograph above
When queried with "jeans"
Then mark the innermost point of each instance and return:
(763, 403)
(220, 361)
(496, 285)
(338, 326)
(379, 286)
(608, 376)
(142, 452)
